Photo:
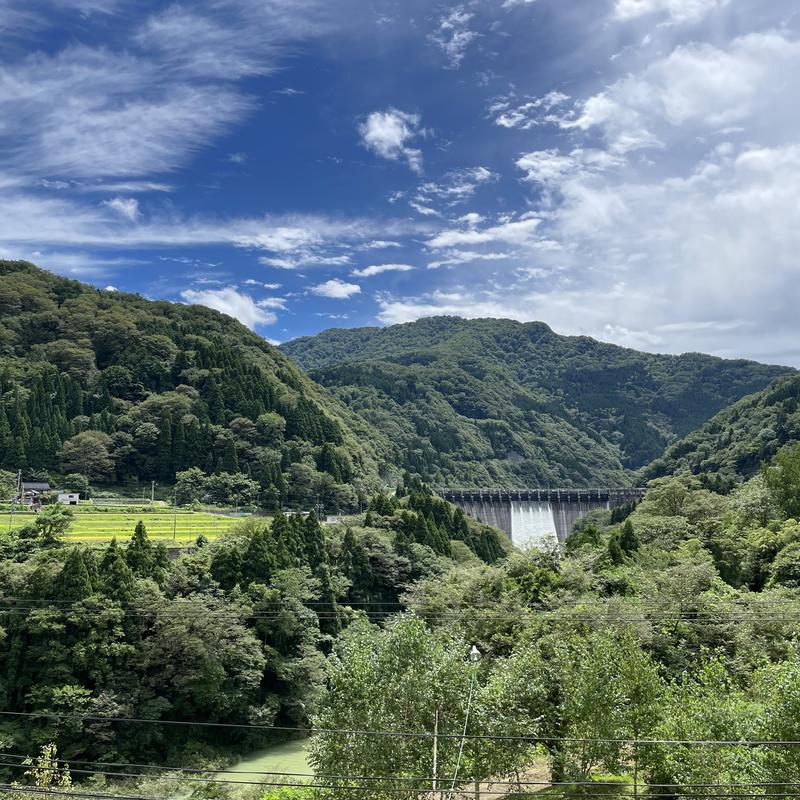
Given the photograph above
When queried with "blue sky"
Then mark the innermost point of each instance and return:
(626, 169)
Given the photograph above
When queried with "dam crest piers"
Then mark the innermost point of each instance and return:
(530, 516)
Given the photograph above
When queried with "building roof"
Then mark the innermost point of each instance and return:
(33, 486)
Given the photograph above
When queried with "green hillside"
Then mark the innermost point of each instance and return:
(122, 390)
(495, 401)
(735, 442)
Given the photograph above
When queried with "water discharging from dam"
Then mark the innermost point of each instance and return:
(532, 517)
(532, 524)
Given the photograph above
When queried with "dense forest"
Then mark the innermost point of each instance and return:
(734, 443)
(115, 389)
(488, 402)
(235, 632)
(673, 628)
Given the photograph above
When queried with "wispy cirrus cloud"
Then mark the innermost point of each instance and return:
(197, 43)
(290, 239)
(88, 112)
(147, 105)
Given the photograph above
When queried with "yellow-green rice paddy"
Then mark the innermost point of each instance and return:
(92, 525)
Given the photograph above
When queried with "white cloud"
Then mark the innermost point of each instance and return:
(521, 231)
(455, 186)
(666, 216)
(513, 3)
(460, 303)
(303, 258)
(380, 244)
(336, 289)
(132, 187)
(232, 302)
(147, 103)
(529, 114)
(692, 255)
(92, 113)
(472, 219)
(200, 46)
(127, 207)
(272, 302)
(388, 134)
(254, 282)
(696, 90)
(550, 167)
(57, 219)
(425, 211)
(75, 263)
(453, 258)
(454, 36)
(379, 269)
(677, 10)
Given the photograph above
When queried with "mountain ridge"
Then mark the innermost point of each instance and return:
(152, 388)
(499, 401)
(734, 443)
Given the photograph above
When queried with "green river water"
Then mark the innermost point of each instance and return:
(289, 757)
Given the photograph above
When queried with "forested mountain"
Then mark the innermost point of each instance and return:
(120, 389)
(235, 632)
(735, 442)
(494, 401)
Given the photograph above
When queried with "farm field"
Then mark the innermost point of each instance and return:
(100, 526)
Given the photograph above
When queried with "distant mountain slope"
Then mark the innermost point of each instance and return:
(494, 401)
(733, 443)
(165, 387)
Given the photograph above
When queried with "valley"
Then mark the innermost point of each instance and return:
(469, 589)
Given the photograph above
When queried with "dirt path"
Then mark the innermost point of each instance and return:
(531, 780)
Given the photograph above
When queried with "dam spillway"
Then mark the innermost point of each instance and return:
(532, 516)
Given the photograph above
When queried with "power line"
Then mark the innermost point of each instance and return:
(410, 734)
(404, 792)
(562, 787)
(8, 787)
(315, 782)
(425, 779)
(417, 778)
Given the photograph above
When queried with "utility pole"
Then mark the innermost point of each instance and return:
(174, 515)
(474, 657)
(15, 497)
(435, 744)
(152, 492)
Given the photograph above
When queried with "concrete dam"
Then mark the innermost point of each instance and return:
(532, 516)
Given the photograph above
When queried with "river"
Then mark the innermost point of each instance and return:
(286, 758)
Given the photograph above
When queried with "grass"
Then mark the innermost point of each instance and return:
(100, 526)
